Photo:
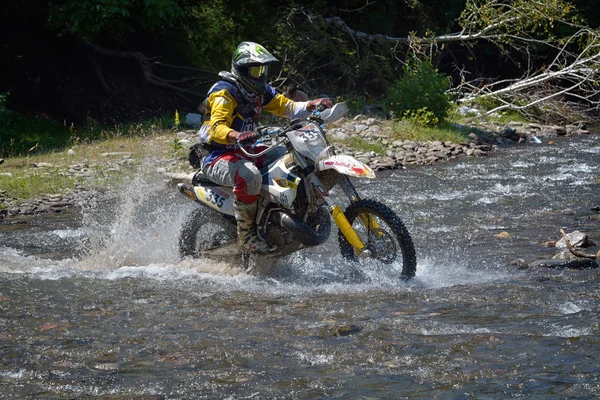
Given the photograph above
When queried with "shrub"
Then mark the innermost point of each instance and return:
(421, 117)
(420, 94)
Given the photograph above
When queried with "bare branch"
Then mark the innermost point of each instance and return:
(367, 3)
(179, 86)
(520, 29)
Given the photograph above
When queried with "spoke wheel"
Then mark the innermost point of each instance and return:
(384, 235)
(204, 230)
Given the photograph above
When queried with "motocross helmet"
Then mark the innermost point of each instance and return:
(250, 66)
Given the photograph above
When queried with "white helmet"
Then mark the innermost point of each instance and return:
(250, 66)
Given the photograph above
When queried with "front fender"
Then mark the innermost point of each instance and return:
(346, 165)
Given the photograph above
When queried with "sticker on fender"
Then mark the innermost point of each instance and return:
(213, 197)
(346, 165)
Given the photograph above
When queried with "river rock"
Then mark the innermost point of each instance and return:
(383, 163)
(577, 239)
(341, 135)
(115, 154)
(571, 128)
(343, 330)
(43, 208)
(580, 263)
(520, 263)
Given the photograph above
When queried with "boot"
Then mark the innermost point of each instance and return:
(247, 237)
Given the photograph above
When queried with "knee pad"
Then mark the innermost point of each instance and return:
(247, 180)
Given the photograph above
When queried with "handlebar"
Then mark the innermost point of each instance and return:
(278, 132)
(265, 151)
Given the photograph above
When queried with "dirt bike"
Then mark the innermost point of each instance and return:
(295, 206)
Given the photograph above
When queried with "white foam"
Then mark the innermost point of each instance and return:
(14, 375)
(569, 332)
(570, 308)
(315, 359)
(68, 233)
(444, 329)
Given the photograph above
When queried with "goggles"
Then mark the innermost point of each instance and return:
(258, 71)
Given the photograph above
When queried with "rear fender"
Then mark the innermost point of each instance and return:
(219, 198)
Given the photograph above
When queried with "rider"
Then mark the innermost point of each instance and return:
(235, 104)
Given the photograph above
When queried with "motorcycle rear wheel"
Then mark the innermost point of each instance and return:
(204, 230)
(386, 242)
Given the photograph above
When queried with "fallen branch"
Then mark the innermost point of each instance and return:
(516, 27)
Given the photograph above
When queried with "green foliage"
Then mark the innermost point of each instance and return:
(406, 130)
(322, 59)
(5, 113)
(207, 34)
(420, 94)
(88, 18)
(27, 135)
(356, 104)
(535, 17)
(176, 146)
(421, 117)
(485, 103)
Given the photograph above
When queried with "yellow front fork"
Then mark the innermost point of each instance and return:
(346, 229)
(369, 223)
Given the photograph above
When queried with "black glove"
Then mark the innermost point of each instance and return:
(246, 138)
(320, 104)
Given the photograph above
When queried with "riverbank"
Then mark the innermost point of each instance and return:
(98, 170)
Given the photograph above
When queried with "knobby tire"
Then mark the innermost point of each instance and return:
(393, 222)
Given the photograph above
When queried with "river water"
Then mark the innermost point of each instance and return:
(98, 305)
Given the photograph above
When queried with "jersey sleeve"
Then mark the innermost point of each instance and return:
(222, 106)
(284, 107)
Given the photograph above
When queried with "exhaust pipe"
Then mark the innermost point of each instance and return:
(187, 190)
(302, 231)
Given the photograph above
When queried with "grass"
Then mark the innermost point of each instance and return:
(21, 179)
(21, 135)
(360, 144)
(487, 104)
(23, 185)
(27, 135)
(402, 130)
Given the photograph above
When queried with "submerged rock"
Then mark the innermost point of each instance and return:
(342, 330)
(580, 263)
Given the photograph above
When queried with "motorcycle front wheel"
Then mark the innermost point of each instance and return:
(383, 233)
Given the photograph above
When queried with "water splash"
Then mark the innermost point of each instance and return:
(140, 227)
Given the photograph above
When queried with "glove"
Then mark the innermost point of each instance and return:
(246, 138)
(319, 104)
